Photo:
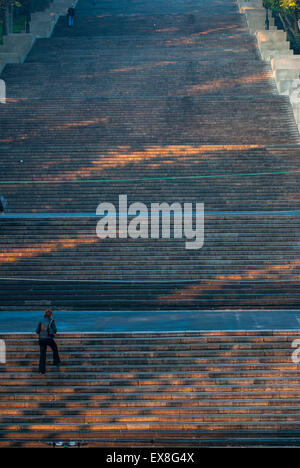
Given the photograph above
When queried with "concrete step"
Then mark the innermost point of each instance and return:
(9, 57)
(161, 419)
(94, 406)
(12, 414)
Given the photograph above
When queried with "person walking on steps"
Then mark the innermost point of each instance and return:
(3, 205)
(46, 331)
(71, 15)
(2, 211)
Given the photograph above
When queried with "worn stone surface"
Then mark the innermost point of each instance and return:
(163, 102)
(184, 389)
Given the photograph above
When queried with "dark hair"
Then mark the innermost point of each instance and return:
(48, 313)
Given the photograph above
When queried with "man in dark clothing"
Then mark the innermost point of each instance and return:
(71, 15)
(46, 330)
(3, 204)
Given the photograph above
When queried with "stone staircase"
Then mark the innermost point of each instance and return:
(188, 389)
(16, 46)
(166, 103)
(162, 102)
(139, 102)
(247, 262)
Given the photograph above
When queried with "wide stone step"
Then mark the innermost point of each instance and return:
(267, 440)
(119, 361)
(178, 400)
(66, 340)
(140, 354)
(223, 368)
(220, 303)
(91, 428)
(170, 339)
(174, 405)
(136, 348)
(127, 376)
(210, 380)
(162, 335)
(110, 391)
(211, 369)
(178, 418)
(11, 414)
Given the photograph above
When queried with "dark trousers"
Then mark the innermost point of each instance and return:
(71, 20)
(43, 352)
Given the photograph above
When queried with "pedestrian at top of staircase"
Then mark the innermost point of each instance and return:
(71, 15)
(3, 205)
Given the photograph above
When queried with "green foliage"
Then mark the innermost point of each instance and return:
(288, 11)
(283, 6)
(290, 4)
(19, 24)
(19, 3)
(271, 4)
(295, 43)
(5, 3)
